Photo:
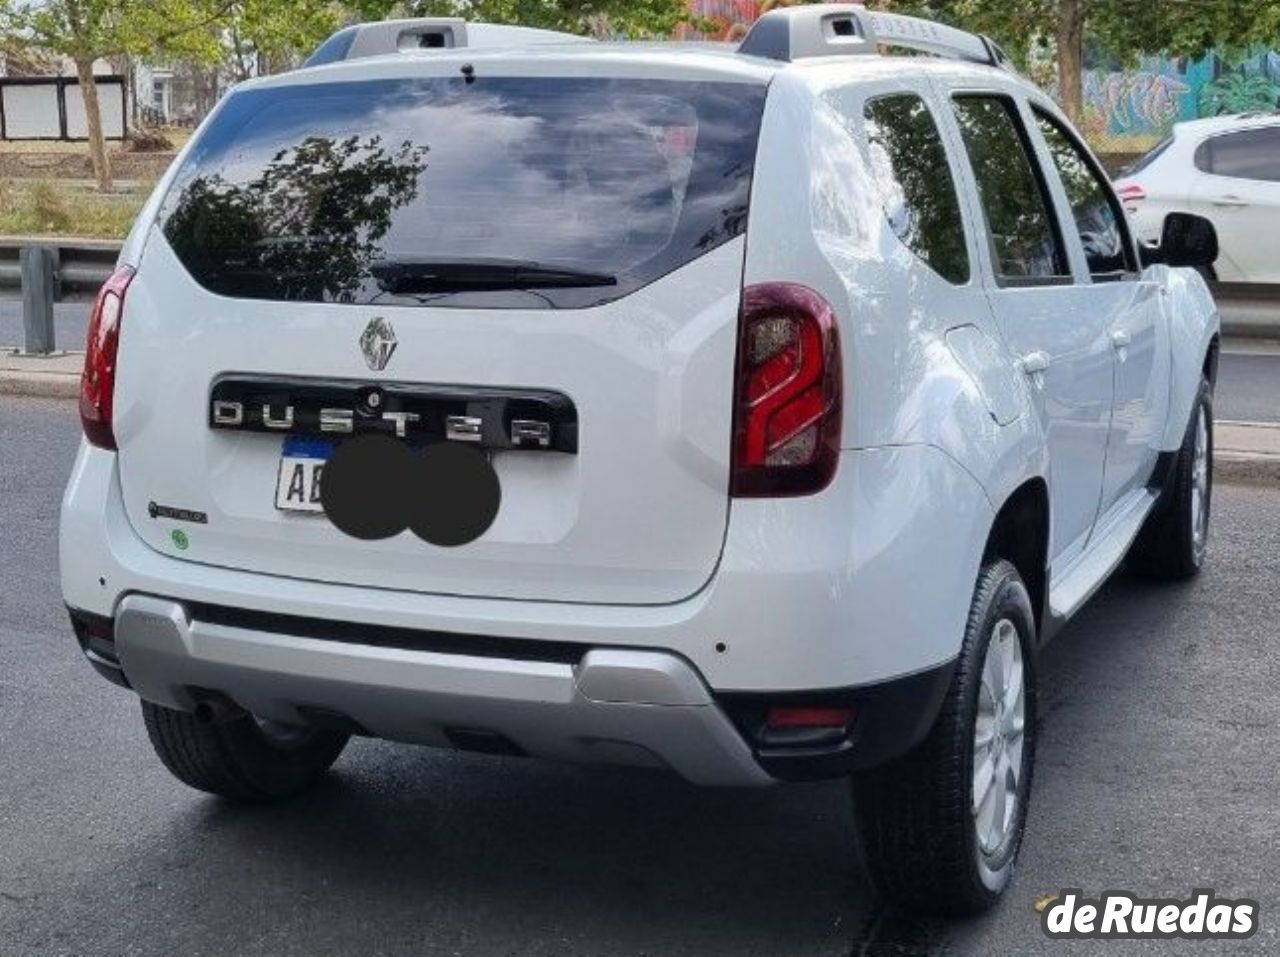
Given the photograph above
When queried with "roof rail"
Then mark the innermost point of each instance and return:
(434, 33)
(822, 30)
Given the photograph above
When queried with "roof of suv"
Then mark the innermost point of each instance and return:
(692, 60)
(1223, 124)
(788, 39)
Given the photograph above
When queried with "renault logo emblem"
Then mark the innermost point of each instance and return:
(378, 343)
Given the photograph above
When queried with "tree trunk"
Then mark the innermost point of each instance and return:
(93, 121)
(1071, 59)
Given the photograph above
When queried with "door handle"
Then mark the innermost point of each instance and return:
(1120, 340)
(1230, 201)
(1034, 363)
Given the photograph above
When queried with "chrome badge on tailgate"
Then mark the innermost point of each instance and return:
(497, 419)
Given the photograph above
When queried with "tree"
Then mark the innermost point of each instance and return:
(268, 36)
(85, 31)
(1124, 29)
(601, 18)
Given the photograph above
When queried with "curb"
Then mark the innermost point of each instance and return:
(47, 377)
(1247, 451)
(43, 385)
(1246, 468)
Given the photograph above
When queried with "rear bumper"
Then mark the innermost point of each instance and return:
(590, 705)
(612, 706)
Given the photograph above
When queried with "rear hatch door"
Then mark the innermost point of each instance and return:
(575, 244)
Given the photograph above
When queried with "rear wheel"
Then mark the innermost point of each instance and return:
(239, 757)
(940, 828)
(1173, 540)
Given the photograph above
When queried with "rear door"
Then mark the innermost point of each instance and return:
(1062, 344)
(1239, 191)
(546, 267)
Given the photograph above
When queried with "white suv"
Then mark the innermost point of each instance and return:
(755, 413)
(1226, 169)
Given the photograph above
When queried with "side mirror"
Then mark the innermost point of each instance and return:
(1186, 240)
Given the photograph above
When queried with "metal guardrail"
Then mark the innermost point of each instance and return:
(80, 265)
(47, 271)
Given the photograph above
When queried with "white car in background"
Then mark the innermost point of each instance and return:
(1226, 169)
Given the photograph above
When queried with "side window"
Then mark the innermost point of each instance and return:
(914, 181)
(1249, 154)
(1025, 243)
(1097, 213)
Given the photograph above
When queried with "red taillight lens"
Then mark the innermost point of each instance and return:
(1130, 192)
(787, 409)
(98, 381)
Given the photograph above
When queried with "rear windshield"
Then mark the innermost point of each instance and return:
(547, 192)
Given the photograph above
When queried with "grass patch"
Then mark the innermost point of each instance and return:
(67, 208)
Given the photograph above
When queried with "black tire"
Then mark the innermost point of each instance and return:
(914, 816)
(236, 757)
(1169, 545)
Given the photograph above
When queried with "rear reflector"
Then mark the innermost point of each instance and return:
(787, 408)
(783, 719)
(98, 381)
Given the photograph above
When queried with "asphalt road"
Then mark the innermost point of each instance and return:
(1156, 773)
(1248, 384)
(1248, 388)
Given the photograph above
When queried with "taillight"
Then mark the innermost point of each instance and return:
(1130, 192)
(787, 408)
(98, 381)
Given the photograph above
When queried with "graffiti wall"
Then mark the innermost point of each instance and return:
(1128, 111)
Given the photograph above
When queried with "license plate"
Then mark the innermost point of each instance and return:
(302, 462)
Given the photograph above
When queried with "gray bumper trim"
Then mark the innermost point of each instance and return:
(614, 706)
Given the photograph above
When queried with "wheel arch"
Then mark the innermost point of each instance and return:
(1194, 337)
(1210, 366)
(1020, 535)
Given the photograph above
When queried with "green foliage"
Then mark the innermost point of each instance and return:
(1125, 29)
(88, 29)
(284, 31)
(1239, 93)
(631, 18)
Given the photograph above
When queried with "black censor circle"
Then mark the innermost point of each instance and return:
(375, 487)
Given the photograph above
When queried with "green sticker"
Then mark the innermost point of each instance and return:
(180, 540)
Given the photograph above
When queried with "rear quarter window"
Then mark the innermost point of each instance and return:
(306, 193)
(913, 177)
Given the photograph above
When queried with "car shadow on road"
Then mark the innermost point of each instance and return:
(521, 856)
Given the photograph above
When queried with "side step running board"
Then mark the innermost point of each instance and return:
(1077, 583)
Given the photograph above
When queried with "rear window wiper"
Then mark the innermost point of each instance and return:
(462, 275)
